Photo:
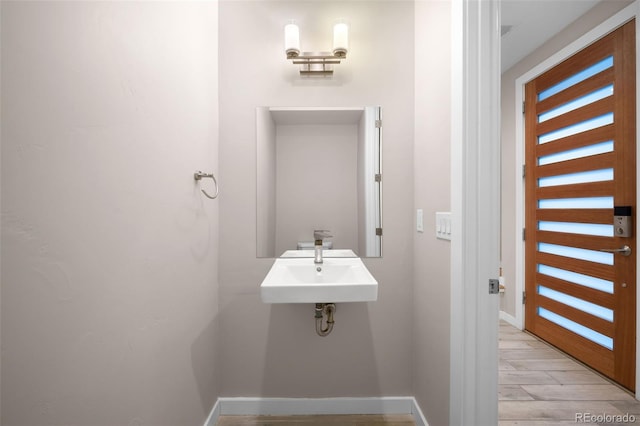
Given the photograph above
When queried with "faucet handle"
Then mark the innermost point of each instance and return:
(319, 234)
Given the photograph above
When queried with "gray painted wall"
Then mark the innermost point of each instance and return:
(316, 184)
(272, 350)
(266, 183)
(114, 309)
(109, 250)
(432, 170)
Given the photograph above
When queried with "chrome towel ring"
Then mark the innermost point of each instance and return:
(199, 175)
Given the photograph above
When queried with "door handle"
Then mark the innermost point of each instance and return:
(625, 250)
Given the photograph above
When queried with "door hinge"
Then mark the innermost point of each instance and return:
(524, 171)
(378, 124)
(523, 107)
(494, 286)
(378, 177)
(378, 232)
(524, 234)
(524, 297)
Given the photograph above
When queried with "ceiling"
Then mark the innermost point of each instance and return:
(528, 24)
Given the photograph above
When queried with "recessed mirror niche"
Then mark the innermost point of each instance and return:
(319, 168)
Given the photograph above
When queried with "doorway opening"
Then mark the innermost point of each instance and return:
(580, 151)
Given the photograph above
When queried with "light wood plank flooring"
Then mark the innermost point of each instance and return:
(541, 386)
(358, 420)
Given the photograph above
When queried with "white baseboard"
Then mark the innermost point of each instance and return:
(311, 406)
(510, 319)
(213, 415)
(418, 417)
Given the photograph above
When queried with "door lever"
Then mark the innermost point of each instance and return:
(625, 250)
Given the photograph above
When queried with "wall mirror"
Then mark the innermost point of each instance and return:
(319, 168)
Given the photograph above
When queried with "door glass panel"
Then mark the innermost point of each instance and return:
(585, 151)
(583, 305)
(577, 203)
(574, 129)
(577, 103)
(574, 178)
(579, 329)
(577, 78)
(577, 228)
(576, 278)
(577, 253)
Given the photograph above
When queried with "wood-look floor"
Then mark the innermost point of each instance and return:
(541, 386)
(352, 420)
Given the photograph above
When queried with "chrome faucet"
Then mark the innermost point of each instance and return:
(318, 236)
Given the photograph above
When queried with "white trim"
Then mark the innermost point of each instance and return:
(598, 32)
(418, 417)
(519, 210)
(475, 211)
(372, 203)
(315, 406)
(510, 319)
(213, 415)
(311, 406)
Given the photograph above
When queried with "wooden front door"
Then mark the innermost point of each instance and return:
(580, 170)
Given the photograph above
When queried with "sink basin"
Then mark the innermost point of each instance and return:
(325, 253)
(297, 280)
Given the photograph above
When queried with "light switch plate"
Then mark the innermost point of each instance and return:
(443, 225)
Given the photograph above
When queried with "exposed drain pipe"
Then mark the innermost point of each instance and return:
(321, 310)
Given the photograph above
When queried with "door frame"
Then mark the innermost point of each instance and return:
(475, 199)
(623, 16)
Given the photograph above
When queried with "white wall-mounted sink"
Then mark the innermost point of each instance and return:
(297, 280)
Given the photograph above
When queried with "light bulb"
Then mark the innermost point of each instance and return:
(340, 39)
(292, 40)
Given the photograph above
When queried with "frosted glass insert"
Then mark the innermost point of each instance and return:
(580, 177)
(579, 329)
(585, 151)
(577, 203)
(574, 129)
(576, 278)
(577, 253)
(577, 228)
(574, 302)
(577, 103)
(577, 78)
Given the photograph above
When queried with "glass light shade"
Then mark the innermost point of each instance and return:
(292, 39)
(340, 39)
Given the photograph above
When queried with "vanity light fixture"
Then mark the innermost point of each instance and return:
(316, 63)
